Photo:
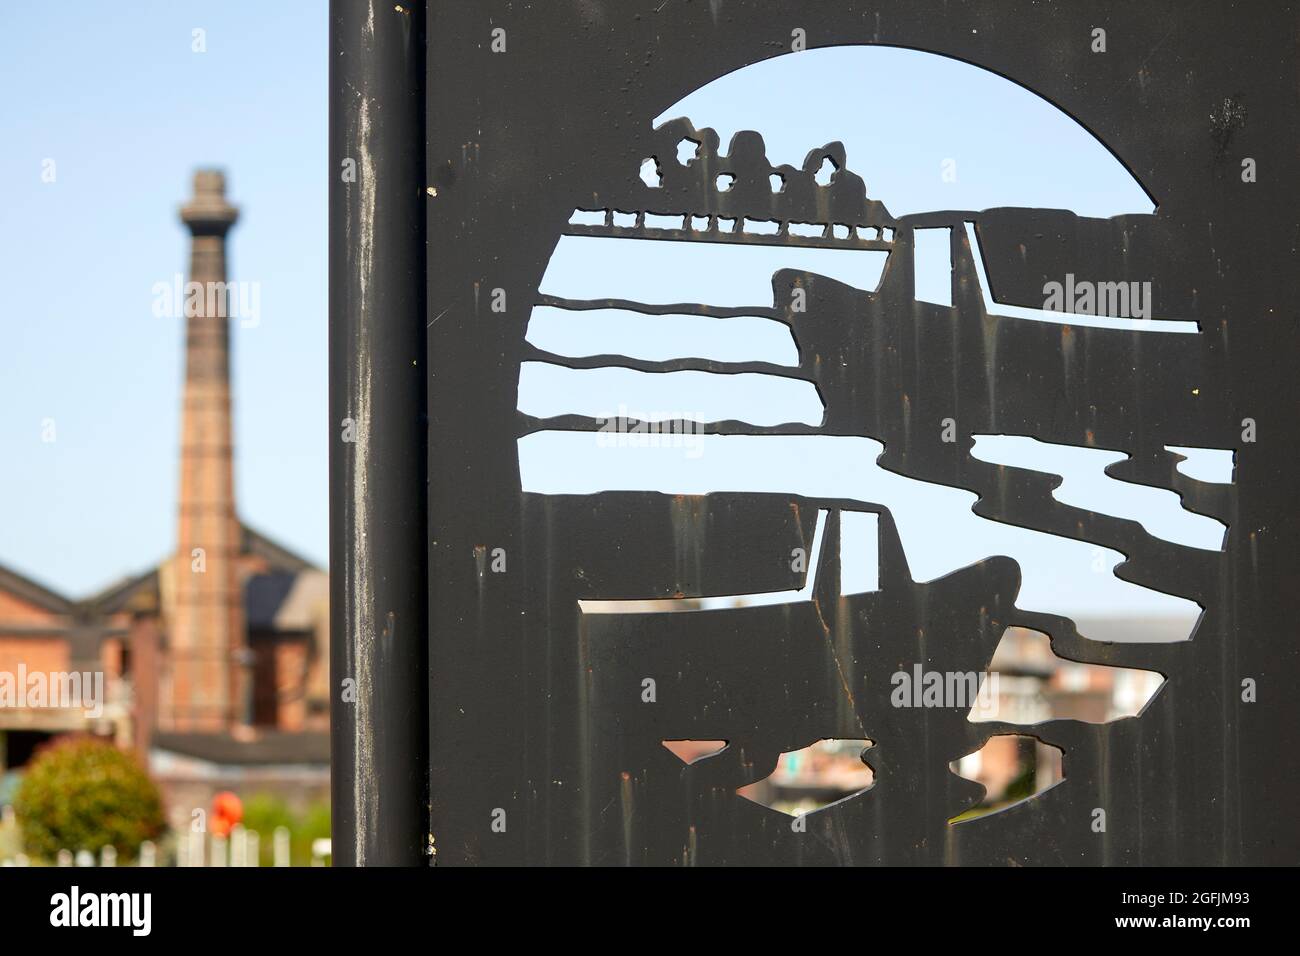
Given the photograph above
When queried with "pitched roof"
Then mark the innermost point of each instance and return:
(277, 555)
(126, 593)
(257, 747)
(28, 590)
(144, 586)
(284, 598)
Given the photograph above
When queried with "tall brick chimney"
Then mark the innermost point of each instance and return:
(202, 688)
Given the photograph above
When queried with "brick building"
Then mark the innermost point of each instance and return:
(214, 663)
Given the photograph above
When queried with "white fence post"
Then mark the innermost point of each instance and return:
(148, 854)
(218, 850)
(238, 846)
(320, 849)
(108, 855)
(253, 851)
(280, 847)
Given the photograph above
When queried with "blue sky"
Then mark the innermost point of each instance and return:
(115, 96)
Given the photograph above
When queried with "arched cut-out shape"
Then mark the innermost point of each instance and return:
(1031, 684)
(1012, 768)
(589, 217)
(825, 171)
(693, 751)
(653, 220)
(814, 777)
(1010, 146)
(809, 230)
(650, 174)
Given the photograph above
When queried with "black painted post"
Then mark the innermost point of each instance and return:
(378, 612)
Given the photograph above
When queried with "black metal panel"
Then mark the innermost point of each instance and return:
(378, 616)
(542, 749)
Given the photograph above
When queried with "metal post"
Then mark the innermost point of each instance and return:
(378, 613)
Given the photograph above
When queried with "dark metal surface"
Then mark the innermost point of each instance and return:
(536, 723)
(378, 616)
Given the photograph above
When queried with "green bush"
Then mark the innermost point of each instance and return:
(315, 824)
(80, 793)
(11, 843)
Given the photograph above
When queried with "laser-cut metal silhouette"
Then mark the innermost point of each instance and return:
(862, 348)
(545, 704)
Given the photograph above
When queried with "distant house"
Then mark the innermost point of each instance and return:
(282, 710)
